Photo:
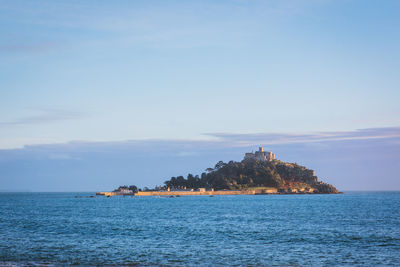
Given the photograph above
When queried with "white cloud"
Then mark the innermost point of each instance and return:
(181, 147)
(287, 138)
(44, 115)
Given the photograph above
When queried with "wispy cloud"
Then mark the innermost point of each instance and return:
(363, 159)
(28, 48)
(287, 138)
(44, 116)
(185, 147)
(186, 24)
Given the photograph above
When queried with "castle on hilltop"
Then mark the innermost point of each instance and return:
(260, 155)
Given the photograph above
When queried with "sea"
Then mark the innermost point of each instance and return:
(53, 229)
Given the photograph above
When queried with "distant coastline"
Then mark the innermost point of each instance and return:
(255, 191)
(258, 173)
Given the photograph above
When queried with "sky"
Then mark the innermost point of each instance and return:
(95, 94)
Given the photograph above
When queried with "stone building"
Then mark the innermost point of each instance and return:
(260, 155)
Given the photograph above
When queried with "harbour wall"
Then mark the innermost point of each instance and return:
(109, 194)
(208, 193)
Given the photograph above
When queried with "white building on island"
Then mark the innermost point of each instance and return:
(260, 155)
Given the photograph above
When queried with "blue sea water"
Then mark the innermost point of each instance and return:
(354, 228)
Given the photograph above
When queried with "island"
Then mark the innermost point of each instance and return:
(258, 173)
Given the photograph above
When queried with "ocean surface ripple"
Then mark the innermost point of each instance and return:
(355, 228)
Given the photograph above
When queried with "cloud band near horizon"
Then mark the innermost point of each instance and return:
(235, 140)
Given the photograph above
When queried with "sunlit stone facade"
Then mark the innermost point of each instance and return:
(260, 155)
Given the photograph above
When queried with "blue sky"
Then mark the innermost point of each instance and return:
(199, 73)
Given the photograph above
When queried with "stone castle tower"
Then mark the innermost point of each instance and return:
(260, 155)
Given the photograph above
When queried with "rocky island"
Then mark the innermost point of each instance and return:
(257, 173)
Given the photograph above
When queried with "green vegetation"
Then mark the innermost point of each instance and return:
(250, 174)
(133, 188)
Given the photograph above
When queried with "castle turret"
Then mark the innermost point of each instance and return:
(260, 155)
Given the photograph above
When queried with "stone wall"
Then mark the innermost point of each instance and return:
(209, 193)
(194, 193)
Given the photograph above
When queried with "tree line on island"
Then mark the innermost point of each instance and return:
(247, 174)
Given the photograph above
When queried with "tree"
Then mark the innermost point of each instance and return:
(208, 170)
(219, 165)
(240, 175)
(133, 188)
